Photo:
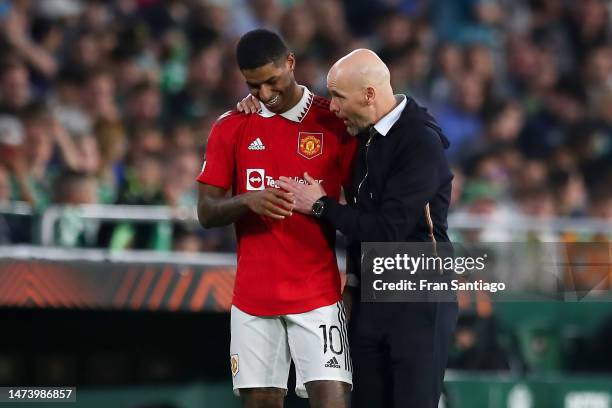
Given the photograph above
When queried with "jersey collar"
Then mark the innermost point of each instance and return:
(295, 114)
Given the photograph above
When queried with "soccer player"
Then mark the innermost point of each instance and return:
(287, 296)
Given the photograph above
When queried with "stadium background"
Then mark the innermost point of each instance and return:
(108, 283)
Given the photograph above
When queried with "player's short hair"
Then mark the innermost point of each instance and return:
(260, 47)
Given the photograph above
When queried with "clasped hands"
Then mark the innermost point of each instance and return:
(279, 203)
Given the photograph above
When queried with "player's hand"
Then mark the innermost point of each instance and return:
(249, 104)
(271, 202)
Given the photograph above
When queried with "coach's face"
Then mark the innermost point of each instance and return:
(272, 84)
(348, 101)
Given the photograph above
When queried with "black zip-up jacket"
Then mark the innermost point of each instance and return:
(401, 186)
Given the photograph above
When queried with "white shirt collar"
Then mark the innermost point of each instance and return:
(386, 122)
(295, 114)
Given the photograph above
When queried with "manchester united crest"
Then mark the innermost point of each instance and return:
(310, 144)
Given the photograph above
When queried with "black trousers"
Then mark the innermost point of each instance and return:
(399, 353)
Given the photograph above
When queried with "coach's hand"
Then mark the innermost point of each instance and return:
(305, 194)
(249, 104)
(271, 202)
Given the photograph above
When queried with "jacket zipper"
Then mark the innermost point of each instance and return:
(367, 170)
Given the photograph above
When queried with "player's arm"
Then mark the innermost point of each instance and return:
(215, 209)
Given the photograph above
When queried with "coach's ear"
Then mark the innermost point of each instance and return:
(369, 95)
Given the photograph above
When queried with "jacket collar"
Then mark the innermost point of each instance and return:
(386, 122)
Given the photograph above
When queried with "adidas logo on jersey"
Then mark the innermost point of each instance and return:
(257, 145)
(333, 363)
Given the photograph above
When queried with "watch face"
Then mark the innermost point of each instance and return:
(317, 208)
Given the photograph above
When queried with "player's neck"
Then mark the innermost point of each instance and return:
(296, 94)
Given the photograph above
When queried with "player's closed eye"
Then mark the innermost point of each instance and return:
(272, 82)
(257, 87)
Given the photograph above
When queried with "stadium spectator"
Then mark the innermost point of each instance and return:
(476, 346)
(5, 197)
(99, 96)
(15, 86)
(112, 145)
(72, 189)
(143, 105)
(204, 76)
(5, 186)
(461, 118)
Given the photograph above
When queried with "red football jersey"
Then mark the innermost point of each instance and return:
(284, 266)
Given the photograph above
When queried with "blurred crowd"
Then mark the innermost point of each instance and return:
(111, 101)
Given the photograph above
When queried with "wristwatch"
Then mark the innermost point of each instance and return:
(317, 208)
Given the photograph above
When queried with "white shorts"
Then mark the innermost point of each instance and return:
(262, 348)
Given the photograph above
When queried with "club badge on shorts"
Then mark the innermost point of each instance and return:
(310, 144)
(234, 364)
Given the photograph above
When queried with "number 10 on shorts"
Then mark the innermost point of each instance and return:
(333, 338)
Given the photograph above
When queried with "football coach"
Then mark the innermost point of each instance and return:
(401, 193)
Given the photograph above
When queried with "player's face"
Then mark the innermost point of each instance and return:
(273, 84)
(348, 103)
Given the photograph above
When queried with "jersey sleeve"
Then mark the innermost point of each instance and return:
(219, 163)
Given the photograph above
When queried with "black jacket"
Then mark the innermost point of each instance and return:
(401, 186)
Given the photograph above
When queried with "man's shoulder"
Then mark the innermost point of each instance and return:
(231, 118)
(320, 108)
(421, 126)
(230, 123)
(321, 103)
(319, 111)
